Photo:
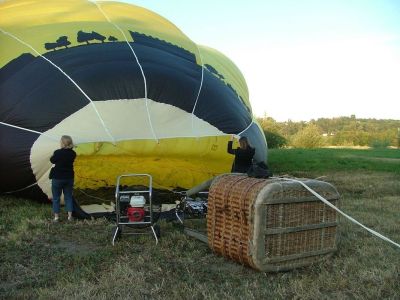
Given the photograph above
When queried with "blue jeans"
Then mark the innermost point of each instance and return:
(65, 186)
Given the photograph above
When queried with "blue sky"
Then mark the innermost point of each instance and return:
(303, 59)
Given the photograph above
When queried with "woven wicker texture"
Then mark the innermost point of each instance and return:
(270, 225)
(228, 226)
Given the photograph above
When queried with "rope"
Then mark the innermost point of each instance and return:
(137, 60)
(19, 190)
(246, 128)
(94, 197)
(200, 88)
(29, 130)
(66, 75)
(339, 211)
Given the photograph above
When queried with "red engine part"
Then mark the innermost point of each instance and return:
(135, 214)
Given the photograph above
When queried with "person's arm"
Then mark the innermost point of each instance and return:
(230, 150)
(230, 143)
(54, 157)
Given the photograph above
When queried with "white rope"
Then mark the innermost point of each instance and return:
(246, 128)
(137, 60)
(339, 211)
(94, 197)
(29, 130)
(66, 75)
(200, 88)
(25, 188)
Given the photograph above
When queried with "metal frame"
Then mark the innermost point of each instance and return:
(187, 230)
(122, 221)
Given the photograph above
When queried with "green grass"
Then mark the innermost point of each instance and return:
(39, 259)
(323, 160)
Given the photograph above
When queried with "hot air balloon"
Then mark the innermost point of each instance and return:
(133, 91)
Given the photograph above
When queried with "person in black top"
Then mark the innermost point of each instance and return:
(62, 176)
(243, 155)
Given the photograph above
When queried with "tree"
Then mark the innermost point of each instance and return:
(268, 124)
(98, 36)
(51, 46)
(63, 41)
(290, 127)
(308, 137)
(84, 37)
(274, 140)
(398, 137)
(340, 131)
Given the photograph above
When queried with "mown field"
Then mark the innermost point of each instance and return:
(76, 260)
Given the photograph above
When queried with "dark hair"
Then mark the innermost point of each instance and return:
(245, 140)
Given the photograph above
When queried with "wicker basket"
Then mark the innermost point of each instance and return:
(271, 224)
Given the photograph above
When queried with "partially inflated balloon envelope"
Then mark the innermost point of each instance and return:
(134, 93)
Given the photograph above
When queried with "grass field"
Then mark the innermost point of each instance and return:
(44, 260)
(319, 161)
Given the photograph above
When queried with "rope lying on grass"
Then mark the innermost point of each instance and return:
(339, 211)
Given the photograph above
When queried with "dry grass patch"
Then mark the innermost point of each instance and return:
(39, 259)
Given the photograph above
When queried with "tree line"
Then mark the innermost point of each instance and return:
(341, 131)
(82, 37)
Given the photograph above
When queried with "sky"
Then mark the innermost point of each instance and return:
(302, 59)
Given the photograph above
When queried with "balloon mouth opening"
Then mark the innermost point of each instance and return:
(96, 178)
(172, 163)
(172, 168)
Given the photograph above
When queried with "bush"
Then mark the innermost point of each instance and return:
(308, 137)
(274, 140)
(380, 143)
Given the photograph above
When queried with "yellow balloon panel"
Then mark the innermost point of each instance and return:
(35, 21)
(172, 162)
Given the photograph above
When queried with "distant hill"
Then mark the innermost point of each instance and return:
(341, 131)
(15, 65)
(335, 125)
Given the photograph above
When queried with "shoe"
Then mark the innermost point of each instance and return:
(56, 220)
(70, 219)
